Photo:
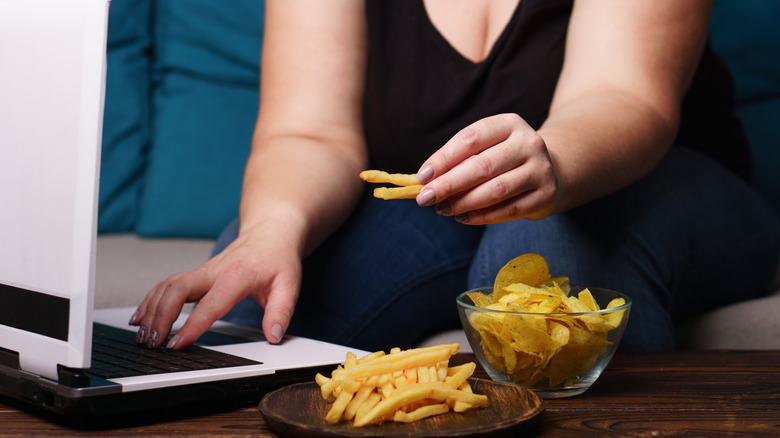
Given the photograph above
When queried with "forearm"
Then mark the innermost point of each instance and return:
(302, 188)
(616, 107)
(603, 142)
(301, 179)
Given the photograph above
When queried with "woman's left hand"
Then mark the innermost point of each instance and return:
(495, 170)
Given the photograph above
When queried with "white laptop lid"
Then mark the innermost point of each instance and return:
(52, 71)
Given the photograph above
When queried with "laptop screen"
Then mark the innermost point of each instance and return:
(51, 83)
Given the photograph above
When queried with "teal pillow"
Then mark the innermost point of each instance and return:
(746, 35)
(761, 121)
(205, 105)
(126, 127)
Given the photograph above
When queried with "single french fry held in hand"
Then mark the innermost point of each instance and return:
(398, 179)
(408, 192)
(402, 386)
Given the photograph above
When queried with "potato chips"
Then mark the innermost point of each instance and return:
(402, 386)
(555, 338)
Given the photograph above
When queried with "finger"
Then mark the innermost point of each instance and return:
(471, 140)
(227, 290)
(140, 311)
(506, 185)
(168, 305)
(145, 313)
(532, 205)
(478, 169)
(279, 309)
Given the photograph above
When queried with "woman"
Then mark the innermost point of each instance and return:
(536, 126)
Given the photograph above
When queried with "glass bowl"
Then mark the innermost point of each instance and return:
(553, 354)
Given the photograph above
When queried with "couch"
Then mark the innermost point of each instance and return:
(181, 98)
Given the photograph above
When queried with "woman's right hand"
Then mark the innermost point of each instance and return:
(257, 264)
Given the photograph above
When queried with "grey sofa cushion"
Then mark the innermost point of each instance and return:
(129, 266)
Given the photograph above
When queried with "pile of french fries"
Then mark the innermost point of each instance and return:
(402, 386)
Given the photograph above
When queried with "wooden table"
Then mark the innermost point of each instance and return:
(691, 393)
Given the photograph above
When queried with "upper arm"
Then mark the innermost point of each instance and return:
(312, 71)
(647, 50)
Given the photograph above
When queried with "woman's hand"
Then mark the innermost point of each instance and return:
(497, 169)
(256, 265)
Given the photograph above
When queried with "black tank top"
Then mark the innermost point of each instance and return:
(420, 91)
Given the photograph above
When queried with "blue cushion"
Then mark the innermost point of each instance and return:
(761, 121)
(126, 117)
(746, 35)
(205, 105)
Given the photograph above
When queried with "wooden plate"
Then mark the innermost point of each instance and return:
(299, 411)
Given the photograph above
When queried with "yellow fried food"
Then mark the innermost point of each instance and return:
(398, 179)
(551, 341)
(409, 186)
(530, 269)
(406, 192)
(402, 386)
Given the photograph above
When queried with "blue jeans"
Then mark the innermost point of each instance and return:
(688, 238)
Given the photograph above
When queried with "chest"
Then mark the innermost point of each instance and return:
(471, 27)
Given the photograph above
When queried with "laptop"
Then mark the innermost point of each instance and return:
(52, 81)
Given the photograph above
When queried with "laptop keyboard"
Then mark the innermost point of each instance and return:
(115, 354)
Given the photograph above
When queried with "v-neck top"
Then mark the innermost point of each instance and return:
(420, 90)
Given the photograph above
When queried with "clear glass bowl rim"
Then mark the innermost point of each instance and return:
(472, 307)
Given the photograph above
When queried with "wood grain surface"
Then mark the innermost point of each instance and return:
(299, 411)
(679, 393)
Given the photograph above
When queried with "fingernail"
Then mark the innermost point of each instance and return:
(134, 318)
(277, 331)
(462, 218)
(140, 337)
(425, 174)
(173, 342)
(443, 208)
(152, 339)
(426, 197)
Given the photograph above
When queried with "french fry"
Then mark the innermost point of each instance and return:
(420, 413)
(398, 179)
(351, 360)
(403, 360)
(327, 387)
(372, 400)
(413, 393)
(463, 372)
(360, 397)
(371, 356)
(461, 406)
(336, 411)
(406, 192)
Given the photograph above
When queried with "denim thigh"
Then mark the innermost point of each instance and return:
(688, 238)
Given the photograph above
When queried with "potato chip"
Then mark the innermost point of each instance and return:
(533, 347)
(530, 269)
